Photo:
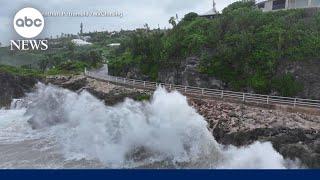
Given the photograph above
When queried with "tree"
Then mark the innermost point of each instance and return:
(44, 63)
(190, 16)
(71, 48)
(242, 47)
(146, 26)
(239, 4)
(95, 57)
(172, 21)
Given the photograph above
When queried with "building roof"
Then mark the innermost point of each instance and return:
(114, 44)
(260, 1)
(80, 42)
(209, 13)
(212, 11)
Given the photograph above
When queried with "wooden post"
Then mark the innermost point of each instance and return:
(185, 89)
(144, 84)
(267, 99)
(222, 94)
(244, 97)
(295, 102)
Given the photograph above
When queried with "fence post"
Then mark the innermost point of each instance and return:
(267, 99)
(244, 97)
(144, 84)
(116, 79)
(222, 94)
(133, 82)
(170, 86)
(185, 89)
(295, 102)
(202, 91)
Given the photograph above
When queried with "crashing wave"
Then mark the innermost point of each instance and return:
(162, 133)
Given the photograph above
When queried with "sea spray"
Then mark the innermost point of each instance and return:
(163, 133)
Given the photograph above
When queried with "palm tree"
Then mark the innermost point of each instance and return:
(172, 21)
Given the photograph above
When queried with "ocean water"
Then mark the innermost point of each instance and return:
(56, 128)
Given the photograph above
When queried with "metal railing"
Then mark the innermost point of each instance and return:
(211, 93)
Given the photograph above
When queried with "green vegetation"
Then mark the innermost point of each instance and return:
(63, 57)
(20, 71)
(19, 58)
(243, 46)
(68, 68)
(286, 85)
(142, 97)
(141, 50)
(71, 59)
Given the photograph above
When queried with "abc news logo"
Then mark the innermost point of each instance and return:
(28, 23)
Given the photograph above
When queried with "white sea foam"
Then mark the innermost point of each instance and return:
(163, 133)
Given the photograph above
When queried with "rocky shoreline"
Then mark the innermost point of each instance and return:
(296, 136)
(111, 94)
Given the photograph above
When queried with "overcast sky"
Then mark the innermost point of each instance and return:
(136, 14)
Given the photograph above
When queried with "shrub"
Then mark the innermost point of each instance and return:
(287, 86)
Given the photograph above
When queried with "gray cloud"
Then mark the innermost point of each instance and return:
(136, 13)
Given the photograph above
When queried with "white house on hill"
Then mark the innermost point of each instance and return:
(80, 42)
(271, 5)
(211, 13)
(114, 45)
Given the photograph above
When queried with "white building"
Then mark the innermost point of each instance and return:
(85, 38)
(211, 13)
(271, 5)
(114, 44)
(80, 42)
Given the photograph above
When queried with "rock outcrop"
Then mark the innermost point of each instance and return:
(294, 135)
(111, 94)
(14, 86)
(306, 72)
(188, 75)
